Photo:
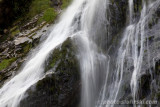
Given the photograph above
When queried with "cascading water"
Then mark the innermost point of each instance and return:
(33, 69)
(131, 52)
(13, 91)
(101, 81)
(95, 64)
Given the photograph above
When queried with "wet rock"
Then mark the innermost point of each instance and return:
(61, 85)
(22, 40)
(118, 19)
(56, 2)
(18, 47)
(144, 89)
(32, 23)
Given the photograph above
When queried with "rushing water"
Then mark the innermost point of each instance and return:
(100, 82)
(13, 91)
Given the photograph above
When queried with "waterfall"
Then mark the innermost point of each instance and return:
(103, 76)
(13, 91)
(97, 88)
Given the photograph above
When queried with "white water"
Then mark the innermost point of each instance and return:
(95, 65)
(100, 83)
(131, 50)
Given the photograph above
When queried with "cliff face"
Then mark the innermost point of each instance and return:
(148, 82)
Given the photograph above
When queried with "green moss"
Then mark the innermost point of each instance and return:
(38, 6)
(27, 48)
(65, 55)
(65, 3)
(49, 16)
(145, 51)
(42, 6)
(6, 62)
(15, 32)
(56, 56)
(13, 28)
(138, 6)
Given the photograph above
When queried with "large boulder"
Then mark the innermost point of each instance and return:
(61, 85)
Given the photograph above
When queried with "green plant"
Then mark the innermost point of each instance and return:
(38, 6)
(6, 62)
(49, 15)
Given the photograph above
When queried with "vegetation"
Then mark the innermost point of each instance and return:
(38, 6)
(15, 32)
(65, 3)
(27, 48)
(63, 54)
(49, 15)
(6, 62)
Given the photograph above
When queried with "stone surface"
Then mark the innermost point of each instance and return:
(61, 85)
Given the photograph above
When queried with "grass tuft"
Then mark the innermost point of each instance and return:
(6, 62)
(49, 15)
(38, 6)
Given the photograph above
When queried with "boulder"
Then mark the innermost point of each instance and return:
(61, 85)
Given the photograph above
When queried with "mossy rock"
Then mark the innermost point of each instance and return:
(61, 87)
(6, 62)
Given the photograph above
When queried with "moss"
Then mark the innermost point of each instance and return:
(65, 3)
(137, 6)
(49, 16)
(145, 51)
(38, 6)
(65, 55)
(27, 48)
(6, 62)
(62, 84)
(15, 32)
(56, 57)
(13, 28)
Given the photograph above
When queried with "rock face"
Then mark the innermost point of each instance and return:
(16, 47)
(61, 85)
(148, 83)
